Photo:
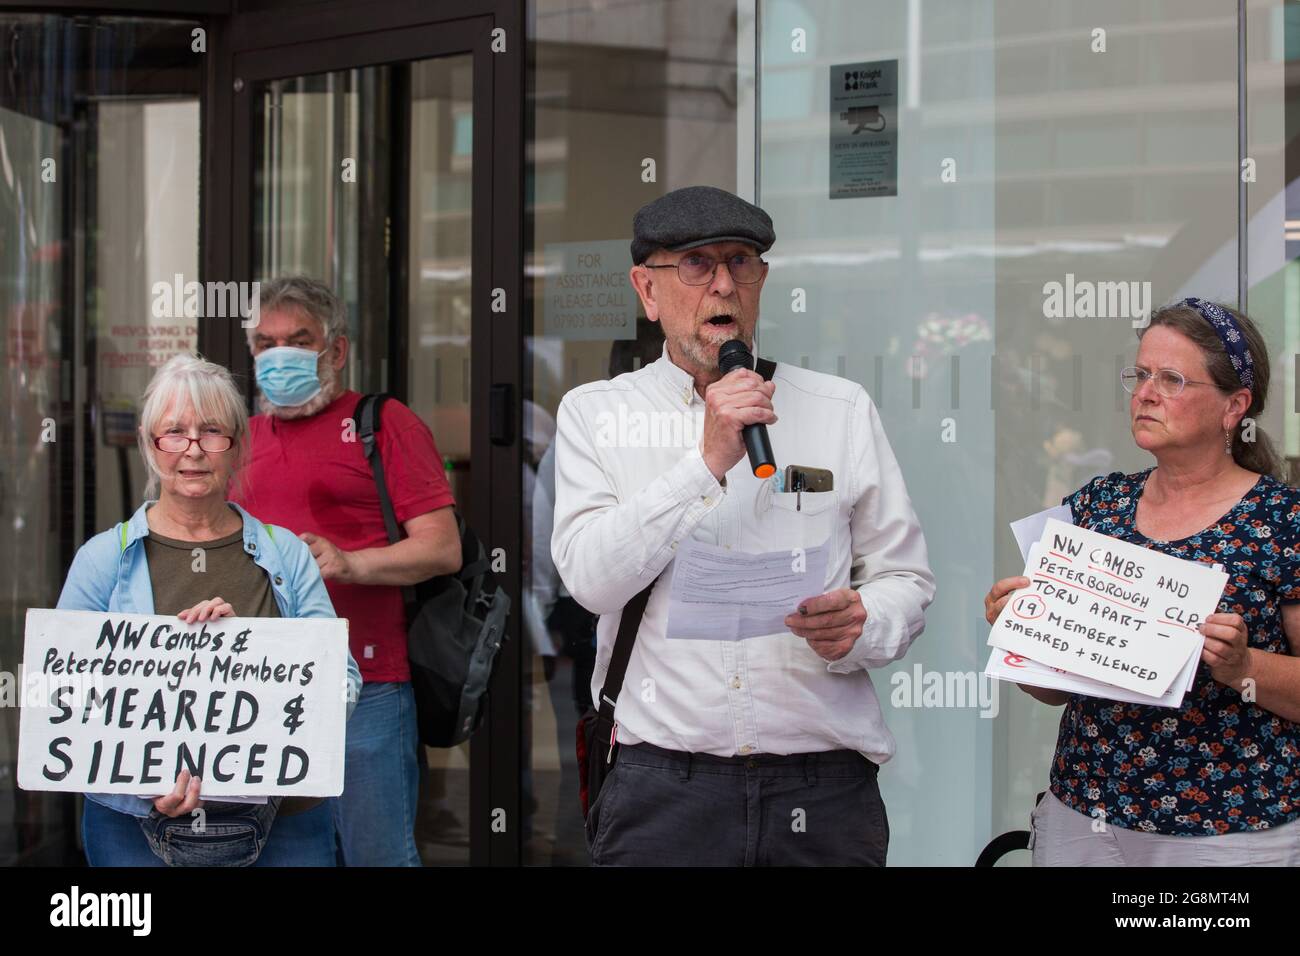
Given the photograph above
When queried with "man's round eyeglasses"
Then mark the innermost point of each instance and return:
(700, 270)
(181, 443)
(1169, 382)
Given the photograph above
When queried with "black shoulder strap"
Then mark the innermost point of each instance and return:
(628, 625)
(367, 417)
(765, 368)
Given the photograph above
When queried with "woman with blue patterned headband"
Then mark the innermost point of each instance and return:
(1217, 781)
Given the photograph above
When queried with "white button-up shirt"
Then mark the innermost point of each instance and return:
(631, 486)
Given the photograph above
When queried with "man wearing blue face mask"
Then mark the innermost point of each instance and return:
(307, 471)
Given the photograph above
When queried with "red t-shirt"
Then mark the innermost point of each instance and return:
(303, 475)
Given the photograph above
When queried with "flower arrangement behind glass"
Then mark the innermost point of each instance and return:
(937, 336)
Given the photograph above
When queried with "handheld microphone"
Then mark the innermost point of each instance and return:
(731, 356)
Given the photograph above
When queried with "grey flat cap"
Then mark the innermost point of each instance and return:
(696, 216)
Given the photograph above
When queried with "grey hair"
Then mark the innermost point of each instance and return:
(310, 295)
(210, 389)
(1257, 455)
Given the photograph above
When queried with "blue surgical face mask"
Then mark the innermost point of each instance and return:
(287, 375)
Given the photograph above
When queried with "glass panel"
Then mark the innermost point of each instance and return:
(99, 204)
(1023, 158)
(659, 82)
(1273, 125)
(319, 155)
(324, 206)
(438, 358)
(32, 277)
(146, 184)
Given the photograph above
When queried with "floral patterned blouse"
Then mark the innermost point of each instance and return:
(1218, 764)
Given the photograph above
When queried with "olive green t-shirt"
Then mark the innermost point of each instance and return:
(182, 578)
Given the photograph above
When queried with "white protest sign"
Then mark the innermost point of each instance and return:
(1109, 610)
(251, 705)
(1008, 666)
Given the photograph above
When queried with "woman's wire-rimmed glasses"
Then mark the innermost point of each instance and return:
(1169, 381)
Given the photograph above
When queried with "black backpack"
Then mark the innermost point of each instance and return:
(455, 622)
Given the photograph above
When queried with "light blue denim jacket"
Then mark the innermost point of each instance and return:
(111, 573)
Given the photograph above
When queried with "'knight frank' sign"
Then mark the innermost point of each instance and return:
(254, 706)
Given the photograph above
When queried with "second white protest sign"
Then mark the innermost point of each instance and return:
(1109, 610)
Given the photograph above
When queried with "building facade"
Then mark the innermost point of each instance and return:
(456, 169)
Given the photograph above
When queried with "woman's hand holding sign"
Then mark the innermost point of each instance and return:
(208, 610)
(999, 594)
(183, 799)
(1226, 650)
(994, 602)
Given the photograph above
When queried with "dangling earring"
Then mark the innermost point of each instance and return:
(1227, 443)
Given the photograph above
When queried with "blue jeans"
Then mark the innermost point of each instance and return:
(113, 838)
(375, 816)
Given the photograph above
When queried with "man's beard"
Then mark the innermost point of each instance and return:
(703, 355)
(329, 390)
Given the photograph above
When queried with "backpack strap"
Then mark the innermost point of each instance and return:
(765, 368)
(628, 625)
(367, 417)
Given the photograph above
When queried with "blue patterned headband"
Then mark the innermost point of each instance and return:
(1229, 333)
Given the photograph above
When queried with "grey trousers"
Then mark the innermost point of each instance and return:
(1062, 836)
(664, 808)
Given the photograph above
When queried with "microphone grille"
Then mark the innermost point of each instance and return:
(734, 355)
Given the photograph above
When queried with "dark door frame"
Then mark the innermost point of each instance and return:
(314, 38)
(249, 39)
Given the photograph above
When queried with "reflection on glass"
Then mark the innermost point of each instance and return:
(651, 82)
(324, 205)
(308, 215)
(437, 358)
(1025, 158)
(99, 202)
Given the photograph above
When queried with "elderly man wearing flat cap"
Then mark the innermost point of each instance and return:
(733, 752)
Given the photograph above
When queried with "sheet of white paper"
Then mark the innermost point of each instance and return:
(1029, 529)
(719, 594)
(1004, 665)
(1106, 609)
